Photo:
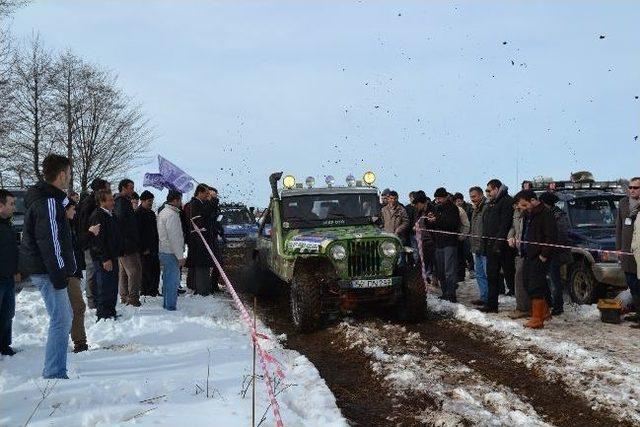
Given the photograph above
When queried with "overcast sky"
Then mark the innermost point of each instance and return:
(423, 93)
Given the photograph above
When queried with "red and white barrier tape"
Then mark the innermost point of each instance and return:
(526, 242)
(265, 358)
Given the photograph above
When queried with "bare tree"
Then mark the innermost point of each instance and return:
(31, 108)
(111, 133)
(7, 7)
(69, 98)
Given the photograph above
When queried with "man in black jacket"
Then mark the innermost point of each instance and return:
(8, 270)
(148, 228)
(496, 223)
(106, 248)
(129, 261)
(539, 226)
(200, 209)
(445, 217)
(85, 209)
(47, 255)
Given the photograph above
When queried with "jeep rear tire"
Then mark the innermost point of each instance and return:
(306, 302)
(412, 305)
(583, 286)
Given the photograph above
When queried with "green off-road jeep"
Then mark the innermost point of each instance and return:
(326, 244)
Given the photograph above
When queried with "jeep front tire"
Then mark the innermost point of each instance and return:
(306, 302)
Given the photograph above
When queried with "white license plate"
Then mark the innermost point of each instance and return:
(372, 283)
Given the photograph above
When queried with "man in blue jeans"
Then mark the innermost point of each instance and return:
(8, 270)
(47, 255)
(171, 246)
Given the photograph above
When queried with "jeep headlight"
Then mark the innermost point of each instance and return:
(338, 252)
(389, 249)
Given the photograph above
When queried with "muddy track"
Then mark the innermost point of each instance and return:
(365, 399)
(551, 399)
(362, 397)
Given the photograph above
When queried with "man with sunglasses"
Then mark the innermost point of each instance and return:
(627, 214)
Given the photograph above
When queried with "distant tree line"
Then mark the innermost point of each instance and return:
(57, 102)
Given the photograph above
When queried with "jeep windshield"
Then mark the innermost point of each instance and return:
(330, 210)
(236, 216)
(593, 211)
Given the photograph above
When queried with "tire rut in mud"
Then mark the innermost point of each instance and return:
(360, 394)
(552, 400)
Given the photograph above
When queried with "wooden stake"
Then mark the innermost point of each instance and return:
(253, 391)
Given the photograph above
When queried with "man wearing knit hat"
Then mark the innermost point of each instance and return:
(149, 258)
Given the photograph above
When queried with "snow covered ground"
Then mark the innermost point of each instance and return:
(150, 368)
(597, 360)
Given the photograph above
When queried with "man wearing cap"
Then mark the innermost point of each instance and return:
(384, 196)
(446, 218)
(148, 229)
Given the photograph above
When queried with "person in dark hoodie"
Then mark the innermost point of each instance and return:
(106, 248)
(539, 226)
(149, 258)
(8, 270)
(46, 254)
(496, 223)
(86, 207)
(129, 261)
(445, 217)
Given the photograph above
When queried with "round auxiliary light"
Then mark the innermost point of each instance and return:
(338, 252)
(289, 181)
(330, 180)
(369, 178)
(310, 181)
(389, 249)
(351, 180)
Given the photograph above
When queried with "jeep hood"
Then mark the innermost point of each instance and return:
(317, 241)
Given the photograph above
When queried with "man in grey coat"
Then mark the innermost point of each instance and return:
(477, 246)
(627, 214)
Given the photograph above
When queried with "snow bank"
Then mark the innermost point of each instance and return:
(150, 368)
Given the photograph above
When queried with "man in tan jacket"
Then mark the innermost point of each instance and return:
(394, 217)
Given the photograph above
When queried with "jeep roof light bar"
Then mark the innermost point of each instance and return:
(619, 185)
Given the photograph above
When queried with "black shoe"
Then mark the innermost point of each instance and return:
(486, 309)
(182, 291)
(7, 351)
(557, 311)
(80, 348)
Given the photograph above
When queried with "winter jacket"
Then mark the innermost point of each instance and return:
(78, 252)
(624, 235)
(200, 211)
(497, 221)
(516, 229)
(539, 227)
(107, 245)
(86, 207)
(477, 247)
(562, 256)
(395, 220)
(46, 241)
(447, 219)
(635, 243)
(171, 238)
(465, 226)
(8, 249)
(148, 229)
(125, 216)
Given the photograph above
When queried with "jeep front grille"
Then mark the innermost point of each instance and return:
(364, 259)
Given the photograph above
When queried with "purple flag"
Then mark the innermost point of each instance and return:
(170, 176)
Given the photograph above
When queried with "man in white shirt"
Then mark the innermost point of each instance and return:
(171, 247)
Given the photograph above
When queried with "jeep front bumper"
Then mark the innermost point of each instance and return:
(609, 273)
